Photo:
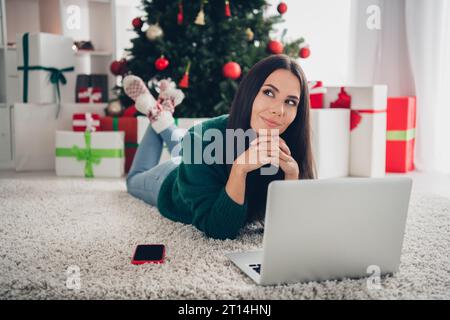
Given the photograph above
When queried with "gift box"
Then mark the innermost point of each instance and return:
(45, 64)
(89, 154)
(356, 97)
(134, 129)
(400, 136)
(85, 121)
(331, 142)
(316, 94)
(367, 106)
(92, 88)
(34, 132)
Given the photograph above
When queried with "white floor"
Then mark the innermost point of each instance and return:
(438, 184)
(51, 225)
(433, 183)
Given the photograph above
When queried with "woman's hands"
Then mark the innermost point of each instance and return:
(268, 148)
(288, 163)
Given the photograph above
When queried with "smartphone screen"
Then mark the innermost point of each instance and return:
(149, 253)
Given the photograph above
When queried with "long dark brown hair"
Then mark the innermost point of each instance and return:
(297, 135)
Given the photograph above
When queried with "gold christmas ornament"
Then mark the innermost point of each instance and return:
(114, 108)
(250, 34)
(200, 20)
(153, 32)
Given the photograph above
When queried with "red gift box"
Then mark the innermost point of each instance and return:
(81, 121)
(316, 92)
(400, 138)
(129, 125)
(90, 95)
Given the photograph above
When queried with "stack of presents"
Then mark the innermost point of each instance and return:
(360, 131)
(61, 123)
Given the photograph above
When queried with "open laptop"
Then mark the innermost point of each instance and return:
(329, 229)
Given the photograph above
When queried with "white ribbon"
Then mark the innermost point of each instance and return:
(89, 122)
(88, 94)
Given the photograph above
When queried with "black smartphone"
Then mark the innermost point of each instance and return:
(148, 253)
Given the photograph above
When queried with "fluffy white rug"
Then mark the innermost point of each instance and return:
(49, 224)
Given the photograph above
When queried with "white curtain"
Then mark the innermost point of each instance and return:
(410, 52)
(428, 33)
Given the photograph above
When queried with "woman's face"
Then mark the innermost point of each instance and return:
(276, 103)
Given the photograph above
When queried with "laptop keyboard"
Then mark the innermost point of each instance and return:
(256, 267)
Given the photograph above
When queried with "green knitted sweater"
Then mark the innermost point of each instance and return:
(194, 193)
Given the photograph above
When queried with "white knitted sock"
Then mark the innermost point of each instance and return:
(164, 120)
(136, 89)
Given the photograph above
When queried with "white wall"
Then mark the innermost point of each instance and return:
(26, 21)
(126, 10)
(325, 25)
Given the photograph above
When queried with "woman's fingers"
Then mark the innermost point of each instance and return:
(264, 139)
(284, 156)
(274, 141)
(284, 146)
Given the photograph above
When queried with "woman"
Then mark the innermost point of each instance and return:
(220, 198)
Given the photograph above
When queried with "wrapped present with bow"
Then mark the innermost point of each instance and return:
(89, 95)
(91, 88)
(89, 154)
(316, 94)
(134, 129)
(400, 136)
(367, 106)
(85, 121)
(46, 64)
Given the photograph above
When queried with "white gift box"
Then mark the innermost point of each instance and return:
(34, 132)
(368, 122)
(362, 97)
(331, 142)
(368, 137)
(50, 51)
(184, 124)
(368, 144)
(90, 154)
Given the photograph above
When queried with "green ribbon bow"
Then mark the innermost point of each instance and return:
(91, 156)
(56, 75)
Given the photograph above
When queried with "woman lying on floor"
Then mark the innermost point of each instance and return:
(219, 197)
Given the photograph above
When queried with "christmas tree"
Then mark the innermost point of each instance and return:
(204, 46)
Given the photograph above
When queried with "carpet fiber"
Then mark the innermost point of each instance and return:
(51, 226)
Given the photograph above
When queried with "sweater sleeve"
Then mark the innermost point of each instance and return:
(202, 188)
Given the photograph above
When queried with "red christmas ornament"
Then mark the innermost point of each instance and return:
(304, 52)
(180, 13)
(227, 9)
(231, 70)
(184, 82)
(275, 47)
(282, 8)
(137, 23)
(118, 67)
(161, 63)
